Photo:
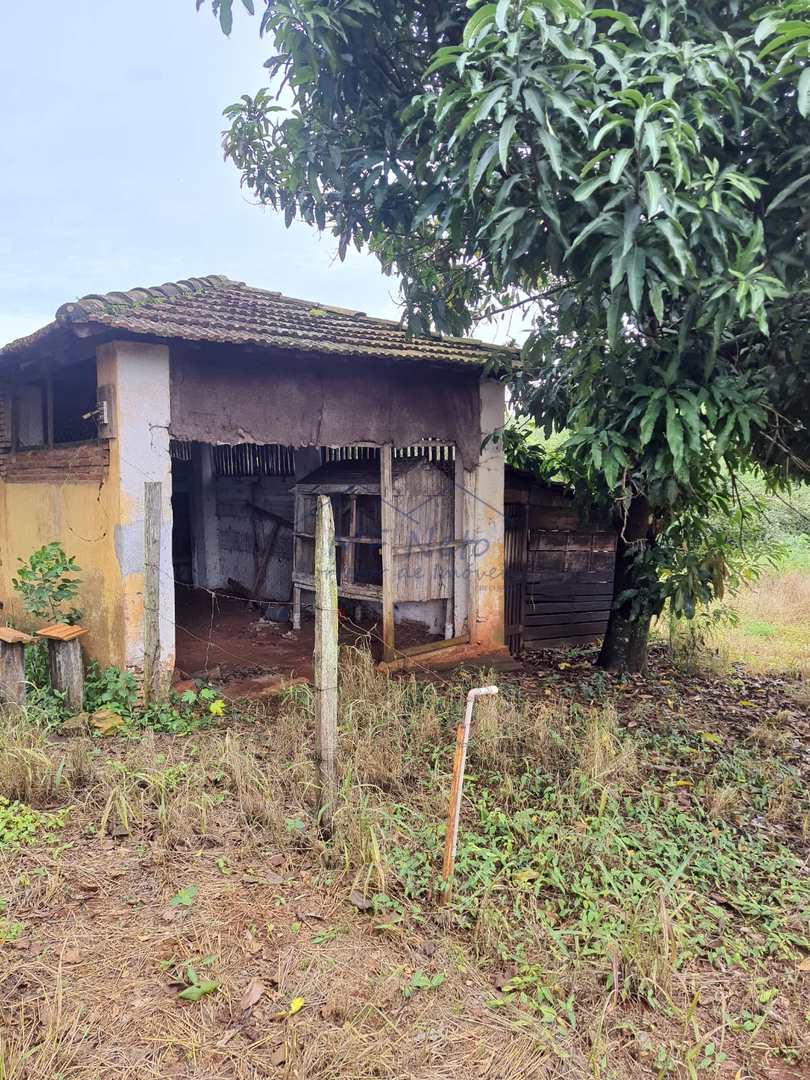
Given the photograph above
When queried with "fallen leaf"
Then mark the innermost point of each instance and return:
(75, 724)
(253, 945)
(106, 722)
(295, 1006)
(198, 990)
(185, 897)
(254, 991)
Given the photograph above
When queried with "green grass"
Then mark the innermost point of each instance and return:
(760, 629)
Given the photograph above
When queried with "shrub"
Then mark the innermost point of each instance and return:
(45, 583)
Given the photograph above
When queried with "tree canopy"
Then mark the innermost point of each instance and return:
(634, 175)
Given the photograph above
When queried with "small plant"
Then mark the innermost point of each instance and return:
(21, 825)
(190, 986)
(110, 688)
(421, 981)
(45, 582)
(182, 714)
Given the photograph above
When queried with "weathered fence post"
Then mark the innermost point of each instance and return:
(12, 665)
(326, 662)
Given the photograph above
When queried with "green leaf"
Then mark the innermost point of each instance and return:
(552, 147)
(442, 58)
(478, 21)
(649, 420)
(185, 897)
(676, 242)
(674, 434)
(586, 189)
(787, 192)
(618, 16)
(653, 192)
(505, 138)
(635, 277)
(618, 165)
(199, 990)
(803, 93)
(226, 16)
(652, 139)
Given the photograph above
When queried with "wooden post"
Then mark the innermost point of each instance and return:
(326, 663)
(152, 515)
(65, 664)
(12, 665)
(387, 529)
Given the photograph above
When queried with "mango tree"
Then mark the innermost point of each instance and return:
(633, 176)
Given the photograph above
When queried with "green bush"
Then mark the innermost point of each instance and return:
(110, 688)
(45, 582)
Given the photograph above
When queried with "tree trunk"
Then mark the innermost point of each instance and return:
(624, 647)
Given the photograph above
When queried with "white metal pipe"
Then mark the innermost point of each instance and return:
(462, 742)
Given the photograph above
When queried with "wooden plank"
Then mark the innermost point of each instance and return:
(388, 527)
(10, 636)
(569, 642)
(565, 617)
(563, 580)
(434, 646)
(61, 632)
(553, 607)
(152, 515)
(565, 630)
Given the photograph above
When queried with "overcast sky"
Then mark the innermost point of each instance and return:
(111, 172)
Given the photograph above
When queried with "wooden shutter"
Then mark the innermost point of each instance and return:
(5, 415)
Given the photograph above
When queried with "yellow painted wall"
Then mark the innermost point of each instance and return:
(82, 517)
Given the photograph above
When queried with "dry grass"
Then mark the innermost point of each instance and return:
(87, 990)
(773, 632)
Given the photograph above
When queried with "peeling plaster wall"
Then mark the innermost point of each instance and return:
(140, 453)
(82, 517)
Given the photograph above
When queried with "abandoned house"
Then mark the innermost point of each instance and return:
(174, 439)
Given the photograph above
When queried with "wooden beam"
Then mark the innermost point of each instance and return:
(152, 515)
(387, 521)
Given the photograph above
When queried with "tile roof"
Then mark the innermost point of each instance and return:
(217, 309)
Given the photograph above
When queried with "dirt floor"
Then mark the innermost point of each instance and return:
(225, 640)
